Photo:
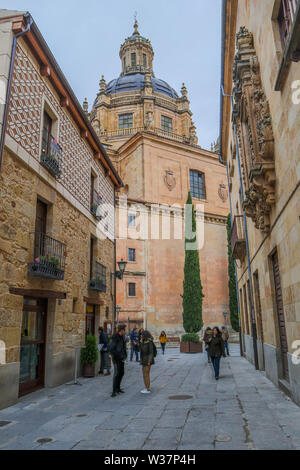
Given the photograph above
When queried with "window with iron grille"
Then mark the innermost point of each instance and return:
(166, 123)
(125, 121)
(46, 135)
(197, 184)
(131, 220)
(131, 289)
(144, 60)
(285, 18)
(133, 59)
(131, 254)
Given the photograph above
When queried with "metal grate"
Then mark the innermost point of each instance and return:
(181, 397)
(49, 257)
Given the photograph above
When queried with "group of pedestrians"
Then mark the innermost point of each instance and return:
(143, 347)
(216, 342)
(141, 343)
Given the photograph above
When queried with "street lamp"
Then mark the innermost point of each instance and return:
(122, 267)
(225, 316)
(118, 308)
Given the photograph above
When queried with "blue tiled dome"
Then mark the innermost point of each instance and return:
(136, 81)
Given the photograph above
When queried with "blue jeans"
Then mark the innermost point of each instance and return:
(134, 350)
(163, 347)
(216, 364)
(208, 356)
(226, 347)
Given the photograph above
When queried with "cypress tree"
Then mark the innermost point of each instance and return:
(192, 287)
(233, 306)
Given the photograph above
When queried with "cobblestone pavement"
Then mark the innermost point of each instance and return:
(243, 410)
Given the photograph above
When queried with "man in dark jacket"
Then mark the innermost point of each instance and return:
(134, 342)
(103, 340)
(118, 353)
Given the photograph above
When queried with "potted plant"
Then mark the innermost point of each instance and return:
(192, 289)
(89, 356)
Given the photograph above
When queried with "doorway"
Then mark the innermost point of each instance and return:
(33, 345)
(90, 320)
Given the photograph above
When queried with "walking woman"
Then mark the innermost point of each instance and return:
(148, 353)
(206, 337)
(216, 350)
(163, 340)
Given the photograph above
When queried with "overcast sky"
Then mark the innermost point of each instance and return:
(85, 38)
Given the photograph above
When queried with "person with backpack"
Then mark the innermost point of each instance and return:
(163, 340)
(205, 339)
(117, 349)
(148, 353)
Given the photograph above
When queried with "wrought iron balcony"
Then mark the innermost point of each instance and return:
(98, 281)
(49, 257)
(238, 243)
(95, 205)
(51, 157)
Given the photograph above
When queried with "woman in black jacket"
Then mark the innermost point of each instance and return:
(216, 349)
(148, 352)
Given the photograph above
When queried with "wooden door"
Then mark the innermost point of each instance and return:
(33, 345)
(280, 315)
(259, 321)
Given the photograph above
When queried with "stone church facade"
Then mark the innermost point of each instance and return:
(148, 132)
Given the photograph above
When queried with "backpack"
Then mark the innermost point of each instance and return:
(154, 350)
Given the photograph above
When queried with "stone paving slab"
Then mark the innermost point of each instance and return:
(243, 410)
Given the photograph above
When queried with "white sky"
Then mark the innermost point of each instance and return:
(85, 38)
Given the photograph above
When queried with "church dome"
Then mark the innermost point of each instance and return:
(136, 81)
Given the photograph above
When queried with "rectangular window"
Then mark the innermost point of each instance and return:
(166, 124)
(131, 254)
(46, 136)
(133, 59)
(125, 121)
(131, 289)
(131, 220)
(246, 309)
(197, 184)
(144, 60)
(285, 18)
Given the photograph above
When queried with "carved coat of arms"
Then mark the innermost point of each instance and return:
(169, 180)
(222, 192)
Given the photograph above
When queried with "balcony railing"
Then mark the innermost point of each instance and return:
(158, 131)
(98, 281)
(95, 205)
(49, 257)
(123, 132)
(238, 243)
(51, 157)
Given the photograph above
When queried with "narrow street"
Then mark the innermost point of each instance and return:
(243, 410)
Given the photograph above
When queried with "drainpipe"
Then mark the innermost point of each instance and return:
(254, 331)
(114, 278)
(29, 21)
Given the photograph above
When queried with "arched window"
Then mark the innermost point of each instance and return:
(197, 184)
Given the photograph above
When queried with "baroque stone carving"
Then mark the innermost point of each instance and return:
(251, 114)
(170, 180)
(222, 192)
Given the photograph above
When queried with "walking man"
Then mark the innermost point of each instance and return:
(225, 337)
(134, 343)
(119, 354)
(103, 341)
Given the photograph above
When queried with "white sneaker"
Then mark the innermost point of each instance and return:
(145, 391)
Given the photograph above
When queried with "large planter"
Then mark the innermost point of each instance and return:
(190, 348)
(88, 371)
